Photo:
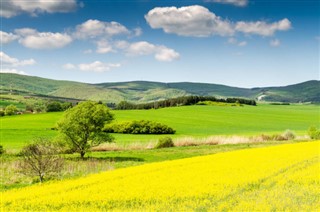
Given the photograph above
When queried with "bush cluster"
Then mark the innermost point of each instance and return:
(314, 132)
(139, 127)
(10, 110)
(58, 106)
(180, 101)
(211, 103)
(1, 150)
(164, 143)
(287, 135)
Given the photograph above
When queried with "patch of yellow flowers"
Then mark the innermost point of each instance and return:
(284, 177)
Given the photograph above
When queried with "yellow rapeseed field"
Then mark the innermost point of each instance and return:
(284, 177)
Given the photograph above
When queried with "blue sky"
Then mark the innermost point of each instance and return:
(244, 43)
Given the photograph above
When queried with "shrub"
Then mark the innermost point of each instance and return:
(54, 107)
(2, 113)
(66, 105)
(40, 158)
(314, 132)
(10, 110)
(277, 137)
(289, 135)
(139, 127)
(1, 150)
(164, 143)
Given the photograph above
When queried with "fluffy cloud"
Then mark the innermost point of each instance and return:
(141, 48)
(10, 8)
(198, 21)
(275, 42)
(9, 64)
(234, 41)
(95, 28)
(33, 39)
(239, 3)
(194, 21)
(263, 28)
(103, 46)
(7, 37)
(166, 55)
(6, 60)
(122, 44)
(96, 66)
(161, 53)
(12, 71)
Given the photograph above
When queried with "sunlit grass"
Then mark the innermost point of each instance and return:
(194, 121)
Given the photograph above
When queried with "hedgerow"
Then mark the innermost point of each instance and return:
(139, 127)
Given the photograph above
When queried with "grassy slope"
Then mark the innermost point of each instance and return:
(143, 91)
(281, 178)
(197, 121)
(306, 91)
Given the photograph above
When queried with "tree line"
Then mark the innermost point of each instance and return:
(180, 101)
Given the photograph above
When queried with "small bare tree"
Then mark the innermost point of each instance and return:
(41, 158)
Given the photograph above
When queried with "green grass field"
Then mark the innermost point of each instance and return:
(195, 121)
(5, 103)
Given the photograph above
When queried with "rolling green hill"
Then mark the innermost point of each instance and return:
(142, 91)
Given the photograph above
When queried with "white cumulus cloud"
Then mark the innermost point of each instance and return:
(11, 8)
(141, 48)
(234, 41)
(198, 21)
(33, 39)
(12, 71)
(7, 37)
(239, 3)
(166, 55)
(161, 53)
(263, 28)
(6, 60)
(9, 64)
(95, 28)
(103, 46)
(193, 20)
(96, 66)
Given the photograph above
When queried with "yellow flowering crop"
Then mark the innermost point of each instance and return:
(284, 177)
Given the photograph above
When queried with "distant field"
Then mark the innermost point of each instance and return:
(278, 178)
(196, 121)
(5, 103)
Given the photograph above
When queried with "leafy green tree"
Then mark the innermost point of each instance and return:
(54, 107)
(37, 106)
(10, 110)
(82, 126)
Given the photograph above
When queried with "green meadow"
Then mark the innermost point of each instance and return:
(188, 121)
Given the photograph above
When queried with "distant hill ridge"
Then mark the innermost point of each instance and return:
(145, 91)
